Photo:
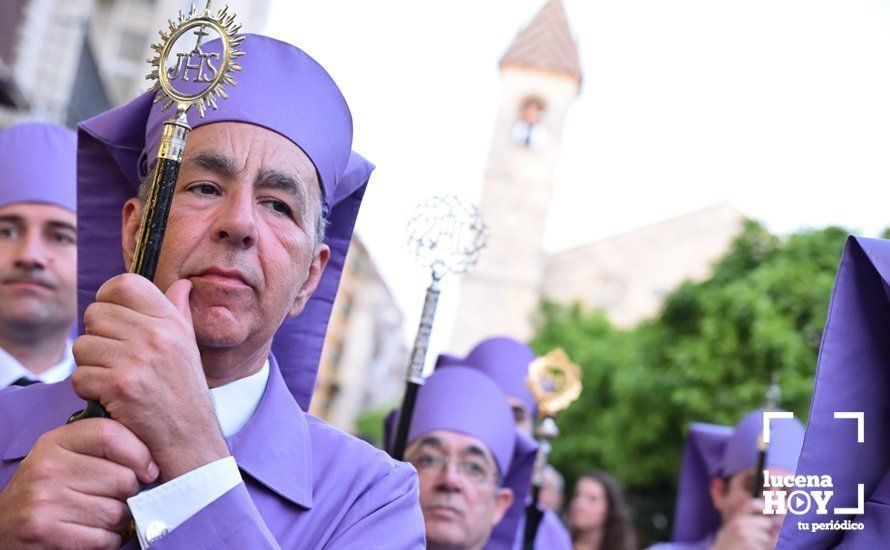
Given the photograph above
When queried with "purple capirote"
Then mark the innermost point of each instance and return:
(281, 89)
(39, 165)
(506, 361)
(463, 400)
(852, 376)
(714, 451)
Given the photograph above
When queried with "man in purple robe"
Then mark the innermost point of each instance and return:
(715, 509)
(474, 466)
(206, 373)
(506, 361)
(38, 253)
(848, 432)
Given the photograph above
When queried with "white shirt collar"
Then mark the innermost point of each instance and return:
(236, 402)
(11, 370)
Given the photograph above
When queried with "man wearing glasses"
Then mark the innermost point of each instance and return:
(474, 466)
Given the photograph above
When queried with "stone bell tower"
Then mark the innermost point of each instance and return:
(541, 76)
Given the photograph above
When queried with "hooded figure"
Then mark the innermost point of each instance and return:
(240, 303)
(506, 361)
(38, 253)
(717, 474)
(852, 376)
(464, 492)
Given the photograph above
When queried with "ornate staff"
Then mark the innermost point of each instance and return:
(446, 235)
(555, 381)
(177, 64)
(771, 402)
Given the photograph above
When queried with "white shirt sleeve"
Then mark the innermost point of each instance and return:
(160, 510)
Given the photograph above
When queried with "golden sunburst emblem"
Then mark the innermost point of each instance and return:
(555, 381)
(204, 73)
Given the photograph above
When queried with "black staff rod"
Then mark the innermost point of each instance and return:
(155, 211)
(415, 369)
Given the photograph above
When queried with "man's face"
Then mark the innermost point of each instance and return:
(522, 417)
(242, 229)
(733, 496)
(38, 267)
(459, 492)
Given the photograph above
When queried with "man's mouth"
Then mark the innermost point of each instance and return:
(224, 277)
(443, 511)
(29, 284)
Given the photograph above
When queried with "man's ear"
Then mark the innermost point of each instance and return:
(131, 218)
(718, 493)
(319, 260)
(503, 500)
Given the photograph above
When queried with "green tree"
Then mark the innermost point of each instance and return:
(708, 356)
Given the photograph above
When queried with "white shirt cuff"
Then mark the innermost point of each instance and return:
(162, 509)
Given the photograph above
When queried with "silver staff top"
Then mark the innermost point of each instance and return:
(446, 235)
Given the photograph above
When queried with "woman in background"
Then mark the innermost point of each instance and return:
(598, 516)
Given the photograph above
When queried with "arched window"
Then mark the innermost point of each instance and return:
(529, 131)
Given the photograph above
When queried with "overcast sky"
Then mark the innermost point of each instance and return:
(780, 107)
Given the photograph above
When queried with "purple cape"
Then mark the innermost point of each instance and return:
(505, 361)
(281, 89)
(853, 375)
(463, 400)
(38, 161)
(718, 451)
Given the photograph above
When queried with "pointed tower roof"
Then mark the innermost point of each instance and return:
(546, 44)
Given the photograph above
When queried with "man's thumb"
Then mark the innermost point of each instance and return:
(178, 294)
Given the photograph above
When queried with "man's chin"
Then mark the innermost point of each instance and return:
(218, 328)
(444, 533)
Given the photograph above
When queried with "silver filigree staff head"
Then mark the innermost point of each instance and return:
(446, 234)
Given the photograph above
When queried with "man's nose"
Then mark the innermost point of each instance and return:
(31, 252)
(236, 223)
(450, 478)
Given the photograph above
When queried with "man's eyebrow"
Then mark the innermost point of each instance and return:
(219, 164)
(430, 442)
(55, 224)
(475, 450)
(12, 218)
(282, 181)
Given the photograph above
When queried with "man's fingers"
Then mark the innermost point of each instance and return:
(104, 513)
(135, 292)
(99, 351)
(82, 536)
(112, 320)
(105, 438)
(101, 477)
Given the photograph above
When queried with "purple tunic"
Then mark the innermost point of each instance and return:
(306, 484)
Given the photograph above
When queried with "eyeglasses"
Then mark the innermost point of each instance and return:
(475, 471)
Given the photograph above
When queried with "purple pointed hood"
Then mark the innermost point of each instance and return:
(504, 360)
(38, 161)
(280, 88)
(852, 375)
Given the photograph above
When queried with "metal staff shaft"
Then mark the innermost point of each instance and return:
(533, 515)
(155, 211)
(415, 369)
(761, 463)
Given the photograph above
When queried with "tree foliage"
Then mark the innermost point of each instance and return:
(708, 356)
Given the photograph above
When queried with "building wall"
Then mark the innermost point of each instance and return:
(364, 358)
(628, 276)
